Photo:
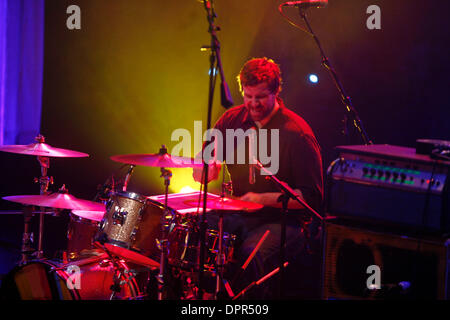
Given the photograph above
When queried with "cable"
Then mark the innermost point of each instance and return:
(280, 9)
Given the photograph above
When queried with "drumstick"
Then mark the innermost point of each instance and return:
(249, 259)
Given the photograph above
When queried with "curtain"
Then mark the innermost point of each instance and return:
(21, 69)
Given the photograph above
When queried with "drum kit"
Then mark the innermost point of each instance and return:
(115, 246)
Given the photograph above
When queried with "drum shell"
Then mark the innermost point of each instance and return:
(80, 235)
(141, 227)
(47, 280)
(184, 247)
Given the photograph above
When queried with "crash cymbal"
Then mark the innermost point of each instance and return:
(157, 160)
(43, 150)
(227, 204)
(59, 200)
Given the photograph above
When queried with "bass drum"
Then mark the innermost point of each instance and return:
(50, 280)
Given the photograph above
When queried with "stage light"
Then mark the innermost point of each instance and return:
(313, 78)
(187, 189)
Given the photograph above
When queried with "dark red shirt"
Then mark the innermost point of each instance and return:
(300, 161)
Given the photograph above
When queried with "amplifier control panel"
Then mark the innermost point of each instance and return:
(390, 173)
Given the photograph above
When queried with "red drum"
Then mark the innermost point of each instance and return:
(184, 249)
(50, 280)
(82, 228)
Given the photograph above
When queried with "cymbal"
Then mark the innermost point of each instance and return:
(132, 256)
(227, 204)
(57, 200)
(89, 214)
(43, 150)
(157, 160)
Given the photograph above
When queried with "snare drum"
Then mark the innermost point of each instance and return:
(184, 247)
(50, 280)
(132, 222)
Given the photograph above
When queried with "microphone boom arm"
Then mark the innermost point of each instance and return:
(353, 115)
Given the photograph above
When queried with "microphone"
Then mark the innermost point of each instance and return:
(307, 3)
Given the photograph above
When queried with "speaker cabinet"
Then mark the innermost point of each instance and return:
(350, 250)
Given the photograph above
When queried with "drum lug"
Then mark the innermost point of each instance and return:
(119, 216)
(133, 234)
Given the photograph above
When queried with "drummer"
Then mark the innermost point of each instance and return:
(299, 165)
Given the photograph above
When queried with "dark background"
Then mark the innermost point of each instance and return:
(134, 73)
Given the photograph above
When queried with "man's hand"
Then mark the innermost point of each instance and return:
(270, 199)
(213, 172)
(253, 197)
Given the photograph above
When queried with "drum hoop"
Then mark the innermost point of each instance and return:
(130, 195)
(123, 245)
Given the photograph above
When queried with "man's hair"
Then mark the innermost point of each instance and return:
(259, 70)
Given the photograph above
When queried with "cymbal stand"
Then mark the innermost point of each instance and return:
(166, 174)
(226, 188)
(44, 181)
(215, 66)
(27, 236)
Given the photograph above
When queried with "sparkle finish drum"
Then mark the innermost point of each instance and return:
(132, 222)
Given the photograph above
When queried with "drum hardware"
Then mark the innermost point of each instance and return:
(119, 216)
(121, 275)
(226, 187)
(58, 200)
(163, 243)
(162, 160)
(127, 178)
(43, 152)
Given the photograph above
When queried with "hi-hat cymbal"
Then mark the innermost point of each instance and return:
(43, 150)
(57, 200)
(157, 160)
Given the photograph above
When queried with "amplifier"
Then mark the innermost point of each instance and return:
(409, 268)
(389, 184)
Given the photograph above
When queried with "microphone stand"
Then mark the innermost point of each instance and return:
(287, 193)
(215, 63)
(352, 113)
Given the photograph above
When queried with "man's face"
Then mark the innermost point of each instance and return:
(259, 101)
